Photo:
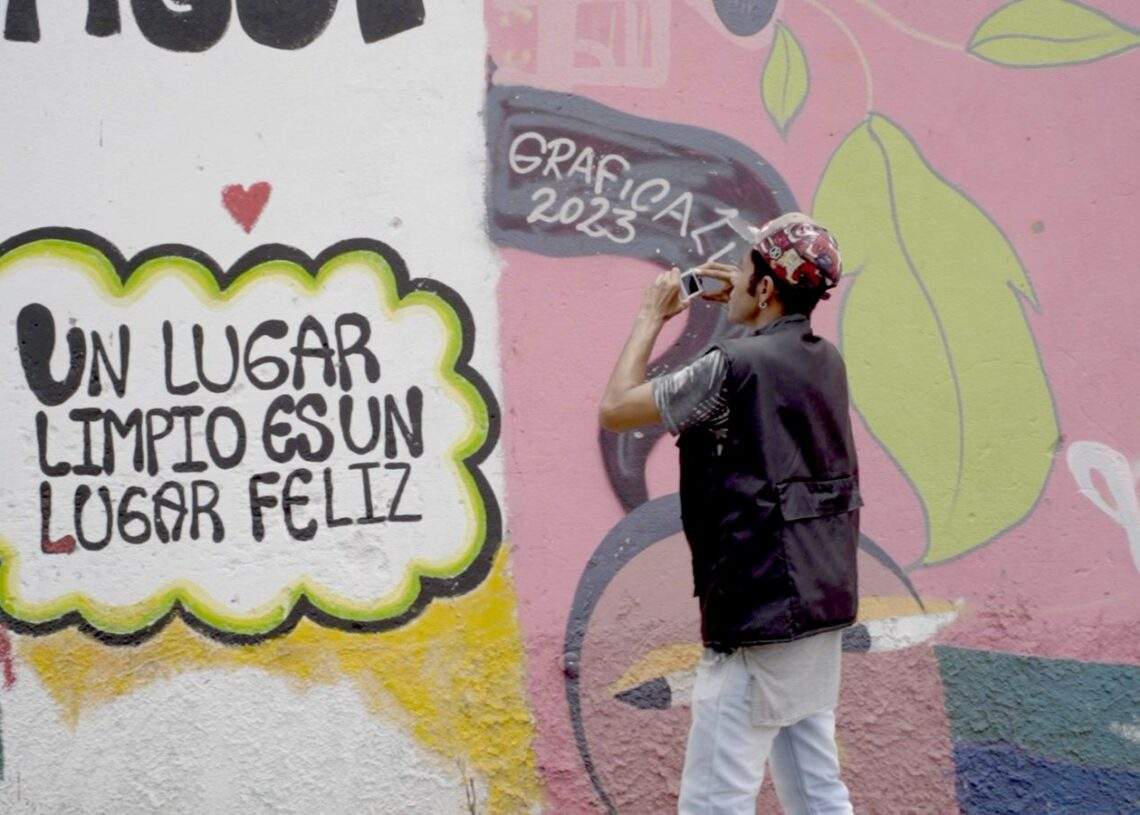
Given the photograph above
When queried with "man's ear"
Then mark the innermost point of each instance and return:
(764, 290)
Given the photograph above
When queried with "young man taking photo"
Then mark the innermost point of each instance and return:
(769, 505)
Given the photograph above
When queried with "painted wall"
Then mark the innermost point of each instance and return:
(973, 159)
(307, 309)
(303, 601)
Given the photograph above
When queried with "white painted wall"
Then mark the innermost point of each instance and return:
(135, 143)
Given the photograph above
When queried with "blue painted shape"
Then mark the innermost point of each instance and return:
(1003, 779)
(1061, 709)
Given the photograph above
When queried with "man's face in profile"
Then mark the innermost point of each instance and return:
(742, 305)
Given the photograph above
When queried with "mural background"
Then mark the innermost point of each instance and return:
(221, 134)
(541, 159)
(971, 157)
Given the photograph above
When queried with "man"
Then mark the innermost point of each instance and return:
(769, 504)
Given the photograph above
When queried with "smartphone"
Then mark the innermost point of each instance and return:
(691, 284)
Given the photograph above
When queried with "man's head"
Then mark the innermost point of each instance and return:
(788, 270)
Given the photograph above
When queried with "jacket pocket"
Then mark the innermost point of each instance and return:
(818, 498)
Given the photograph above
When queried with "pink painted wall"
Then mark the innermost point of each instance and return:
(1048, 153)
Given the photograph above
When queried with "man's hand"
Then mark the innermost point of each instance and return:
(663, 297)
(723, 273)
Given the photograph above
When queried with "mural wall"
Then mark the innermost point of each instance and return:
(971, 158)
(307, 311)
(252, 538)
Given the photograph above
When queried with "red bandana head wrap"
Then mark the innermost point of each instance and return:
(801, 252)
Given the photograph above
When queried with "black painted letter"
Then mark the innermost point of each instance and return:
(380, 19)
(35, 330)
(195, 26)
(286, 25)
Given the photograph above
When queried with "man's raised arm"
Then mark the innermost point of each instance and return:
(628, 400)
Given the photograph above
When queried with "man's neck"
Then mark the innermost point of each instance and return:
(765, 317)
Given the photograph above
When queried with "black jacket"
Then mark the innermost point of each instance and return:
(770, 507)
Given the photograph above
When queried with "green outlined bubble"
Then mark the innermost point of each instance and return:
(347, 575)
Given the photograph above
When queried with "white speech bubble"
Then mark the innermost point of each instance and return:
(410, 515)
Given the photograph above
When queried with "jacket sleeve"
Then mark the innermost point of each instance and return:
(693, 395)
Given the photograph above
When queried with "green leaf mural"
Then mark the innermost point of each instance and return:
(1036, 33)
(942, 365)
(785, 82)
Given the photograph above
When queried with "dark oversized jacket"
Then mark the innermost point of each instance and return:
(770, 508)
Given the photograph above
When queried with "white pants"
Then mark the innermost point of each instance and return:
(724, 760)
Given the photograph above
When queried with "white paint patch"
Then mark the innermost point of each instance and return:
(177, 6)
(681, 687)
(896, 633)
(1121, 504)
(219, 742)
(1130, 732)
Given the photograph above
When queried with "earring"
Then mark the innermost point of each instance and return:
(764, 305)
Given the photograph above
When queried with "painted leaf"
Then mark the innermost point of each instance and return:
(1035, 33)
(942, 365)
(785, 82)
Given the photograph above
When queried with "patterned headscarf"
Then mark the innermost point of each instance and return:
(801, 252)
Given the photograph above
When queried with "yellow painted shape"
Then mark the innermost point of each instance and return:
(453, 676)
(879, 608)
(966, 413)
(683, 657)
(668, 659)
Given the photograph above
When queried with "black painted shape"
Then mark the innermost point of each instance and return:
(856, 639)
(197, 28)
(651, 695)
(22, 21)
(35, 334)
(745, 17)
(103, 18)
(287, 25)
(430, 587)
(719, 171)
(380, 19)
(878, 553)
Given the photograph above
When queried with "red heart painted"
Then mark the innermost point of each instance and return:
(245, 205)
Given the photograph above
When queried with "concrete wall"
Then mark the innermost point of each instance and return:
(308, 309)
